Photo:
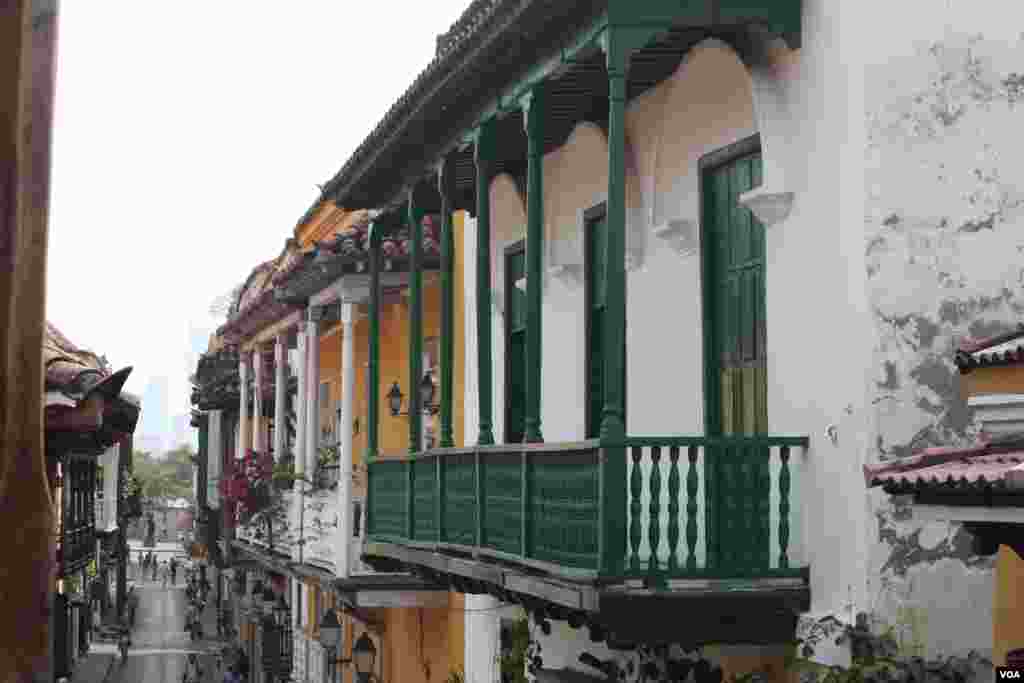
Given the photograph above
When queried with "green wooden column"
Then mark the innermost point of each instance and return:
(613, 429)
(415, 324)
(613, 418)
(534, 110)
(484, 153)
(446, 188)
(373, 366)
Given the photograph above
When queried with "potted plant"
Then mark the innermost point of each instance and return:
(284, 474)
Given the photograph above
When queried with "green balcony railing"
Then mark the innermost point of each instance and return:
(661, 507)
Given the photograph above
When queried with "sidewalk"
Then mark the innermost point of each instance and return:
(95, 668)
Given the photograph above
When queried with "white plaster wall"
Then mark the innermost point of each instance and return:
(819, 331)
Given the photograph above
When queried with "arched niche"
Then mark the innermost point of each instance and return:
(705, 105)
(508, 226)
(772, 67)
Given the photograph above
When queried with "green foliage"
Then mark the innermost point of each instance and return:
(517, 652)
(328, 455)
(164, 478)
(882, 657)
(455, 676)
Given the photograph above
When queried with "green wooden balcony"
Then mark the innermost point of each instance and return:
(652, 508)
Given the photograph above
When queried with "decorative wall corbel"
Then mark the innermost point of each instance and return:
(566, 273)
(680, 235)
(769, 206)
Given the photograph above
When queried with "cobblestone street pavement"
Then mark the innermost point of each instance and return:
(160, 643)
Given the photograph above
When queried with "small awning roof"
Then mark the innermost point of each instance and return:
(988, 465)
(1003, 349)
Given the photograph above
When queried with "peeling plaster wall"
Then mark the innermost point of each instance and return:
(943, 240)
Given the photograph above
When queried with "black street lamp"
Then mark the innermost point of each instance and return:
(330, 639)
(395, 400)
(364, 656)
(427, 392)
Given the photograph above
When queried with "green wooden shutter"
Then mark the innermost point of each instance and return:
(735, 243)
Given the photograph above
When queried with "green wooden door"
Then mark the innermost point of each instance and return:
(738, 478)
(515, 346)
(596, 289)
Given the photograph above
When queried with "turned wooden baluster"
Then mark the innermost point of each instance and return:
(691, 508)
(784, 508)
(673, 508)
(654, 529)
(636, 488)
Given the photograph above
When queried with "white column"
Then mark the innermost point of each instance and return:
(243, 407)
(483, 639)
(280, 381)
(312, 388)
(257, 402)
(300, 403)
(348, 391)
(300, 442)
(214, 458)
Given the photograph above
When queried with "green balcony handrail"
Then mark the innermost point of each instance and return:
(687, 503)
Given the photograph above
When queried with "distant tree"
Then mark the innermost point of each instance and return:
(221, 306)
(167, 477)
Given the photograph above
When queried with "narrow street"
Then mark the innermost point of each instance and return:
(160, 643)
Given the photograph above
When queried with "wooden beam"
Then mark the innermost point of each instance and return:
(28, 32)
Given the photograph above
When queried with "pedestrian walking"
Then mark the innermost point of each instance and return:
(174, 571)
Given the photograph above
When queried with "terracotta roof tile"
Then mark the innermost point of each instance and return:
(985, 465)
(1001, 349)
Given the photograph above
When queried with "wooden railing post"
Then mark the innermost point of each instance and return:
(673, 508)
(410, 499)
(612, 508)
(526, 528)
(784, 508)
(439, 493)
(635, 490)
(691, 507)
(479, 495)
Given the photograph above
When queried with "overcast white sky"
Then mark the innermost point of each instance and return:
(188, 139)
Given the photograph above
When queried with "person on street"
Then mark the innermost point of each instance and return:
(174, 570)
(232, 675)
(193, 672)
(152, 563)
(124, 642)
(164, 571)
